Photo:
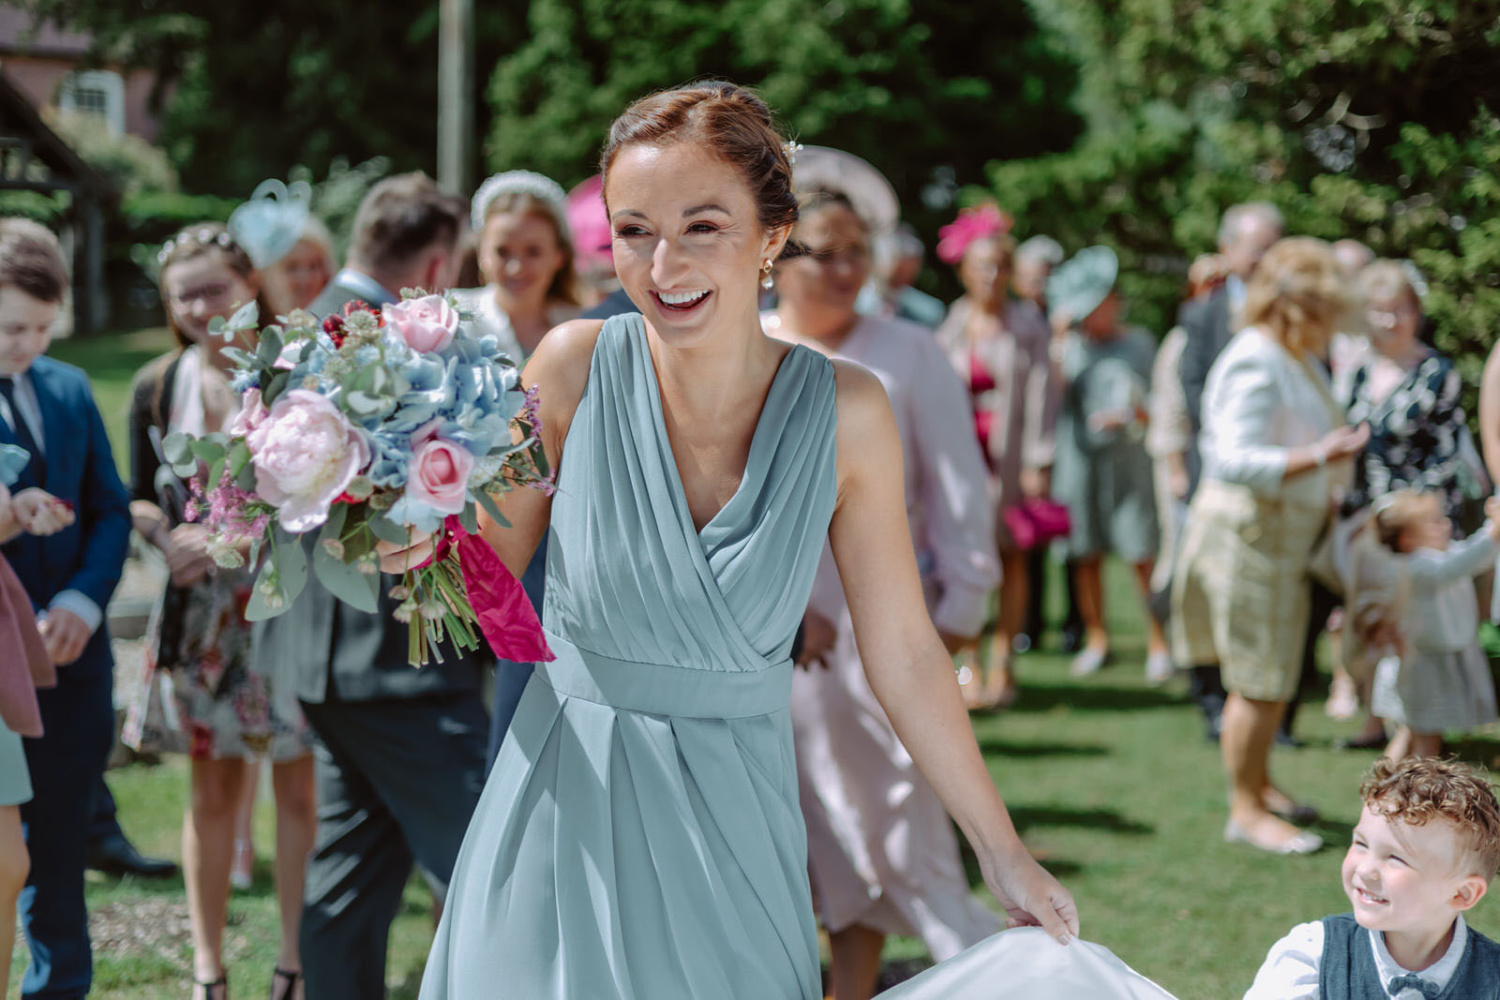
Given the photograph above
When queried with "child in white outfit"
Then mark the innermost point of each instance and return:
(1442, 680)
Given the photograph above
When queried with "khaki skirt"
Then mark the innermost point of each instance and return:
(1241, 591)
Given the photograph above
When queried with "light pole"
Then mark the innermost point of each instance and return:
(456, 96)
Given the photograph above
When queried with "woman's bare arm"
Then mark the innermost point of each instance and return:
(906, 663)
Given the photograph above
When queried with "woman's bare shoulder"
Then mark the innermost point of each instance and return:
(559, 370)
(866, 425)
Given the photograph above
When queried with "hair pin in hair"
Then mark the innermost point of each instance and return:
(791, 149)
(539, 186)
(201, 237)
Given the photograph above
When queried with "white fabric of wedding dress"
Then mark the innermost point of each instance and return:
(1027, 962)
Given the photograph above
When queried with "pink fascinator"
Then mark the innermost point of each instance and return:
(972, 224)
(590, 225)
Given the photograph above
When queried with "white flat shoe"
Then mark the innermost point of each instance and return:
(1300, 843)
(1159, 669)
(1090, 661)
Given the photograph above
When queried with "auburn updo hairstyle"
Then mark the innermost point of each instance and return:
(1298, 295)
(732, 123)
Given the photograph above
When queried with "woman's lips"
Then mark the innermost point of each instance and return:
(680, 303)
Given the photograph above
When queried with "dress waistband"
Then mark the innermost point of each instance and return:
(661, 689)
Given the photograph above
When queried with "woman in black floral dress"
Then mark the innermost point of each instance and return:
(1409, 395)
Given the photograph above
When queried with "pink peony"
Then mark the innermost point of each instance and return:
(426, 324)
(305, 453)
(251, 412)
(439, 473)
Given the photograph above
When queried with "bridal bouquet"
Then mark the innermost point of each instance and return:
(367, 427)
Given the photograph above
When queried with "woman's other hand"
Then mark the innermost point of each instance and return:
(1342, 442)
(1030, 895)
(818, 638)
(397, 559)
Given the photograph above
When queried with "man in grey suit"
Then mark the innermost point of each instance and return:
(1245, 234)
(401, 754)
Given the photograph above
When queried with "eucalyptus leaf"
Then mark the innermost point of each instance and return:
(239, 459)
(388, 531)
(274, 387)
(288, 564)
(215, 473)
(244, 359)
(492, 509)
(246, 317)
(345, 581)
(206, 451)
(270, 347)
(469, 518)
(177, 448)
(334, 526)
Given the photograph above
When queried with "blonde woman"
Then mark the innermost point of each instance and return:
(526, 257)
(1275, 445)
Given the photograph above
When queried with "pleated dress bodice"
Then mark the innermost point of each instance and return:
(629, 576)
(640, 834)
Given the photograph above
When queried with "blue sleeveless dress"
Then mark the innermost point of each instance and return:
(640, 835)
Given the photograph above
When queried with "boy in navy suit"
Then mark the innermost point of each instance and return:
(47, 408)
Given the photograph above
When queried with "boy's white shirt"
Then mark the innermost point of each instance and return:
(1290, 971)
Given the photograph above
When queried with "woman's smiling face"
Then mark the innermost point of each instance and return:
(688, 244)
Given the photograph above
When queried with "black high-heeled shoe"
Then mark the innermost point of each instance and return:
(216, 990)
(284, 984)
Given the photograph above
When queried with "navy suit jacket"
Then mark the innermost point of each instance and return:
(89, 555)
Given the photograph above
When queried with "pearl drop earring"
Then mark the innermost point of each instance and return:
(765, 281)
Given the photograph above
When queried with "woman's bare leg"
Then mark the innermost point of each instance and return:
(296, 827)
(207, 851)
(15, 865)
(855, 966)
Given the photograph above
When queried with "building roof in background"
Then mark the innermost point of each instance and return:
(17, 36)
(19, 118)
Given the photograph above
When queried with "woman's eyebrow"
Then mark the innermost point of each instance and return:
(709, 207)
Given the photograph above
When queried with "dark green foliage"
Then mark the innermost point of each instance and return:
(1372, 119)
(927, 90)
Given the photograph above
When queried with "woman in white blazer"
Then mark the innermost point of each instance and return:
(1275, 448)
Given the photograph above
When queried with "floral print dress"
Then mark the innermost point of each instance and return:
(199, 634)
(1416, 434)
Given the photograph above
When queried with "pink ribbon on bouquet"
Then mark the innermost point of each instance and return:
(505, 614)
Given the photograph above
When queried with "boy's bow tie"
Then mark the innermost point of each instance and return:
(1412, 981)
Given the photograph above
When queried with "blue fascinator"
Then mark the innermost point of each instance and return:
(269, 225)
(1080, 285)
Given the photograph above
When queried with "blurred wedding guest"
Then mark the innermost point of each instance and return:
(1246, 232)
(1410, 395)
(400, 755)
(892, 294)
(998, 343)
(593, 241)
(881, 852)
(1036, 259)
(1275, 447)
(293, 254)
(48, 409)
(24, 667)
(1169, 432)
(234, 715)
(290, 248)
(1348, 347)
(526, 258)
(1102, 470)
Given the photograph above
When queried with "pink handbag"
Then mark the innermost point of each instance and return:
(1036, 522)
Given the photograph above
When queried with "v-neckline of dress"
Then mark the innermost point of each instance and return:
(757, 440)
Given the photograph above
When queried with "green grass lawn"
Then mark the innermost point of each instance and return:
(1110, 782)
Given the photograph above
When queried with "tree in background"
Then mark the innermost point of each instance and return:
(252, 88)
(1373, 119)
(926, 90)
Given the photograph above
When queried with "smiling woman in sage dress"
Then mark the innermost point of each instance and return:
(640, 834)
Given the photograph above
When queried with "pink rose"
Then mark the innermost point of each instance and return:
(426, 324)
(439, 473)
(305, 453)
(251, 412)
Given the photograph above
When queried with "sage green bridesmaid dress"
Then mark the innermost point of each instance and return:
(640, 836)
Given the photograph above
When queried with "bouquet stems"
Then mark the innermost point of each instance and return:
(438, 609)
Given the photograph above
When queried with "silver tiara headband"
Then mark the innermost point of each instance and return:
(520, 182)
(202, 237)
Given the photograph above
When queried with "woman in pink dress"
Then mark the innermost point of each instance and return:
(882, 853)
(998, 344)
